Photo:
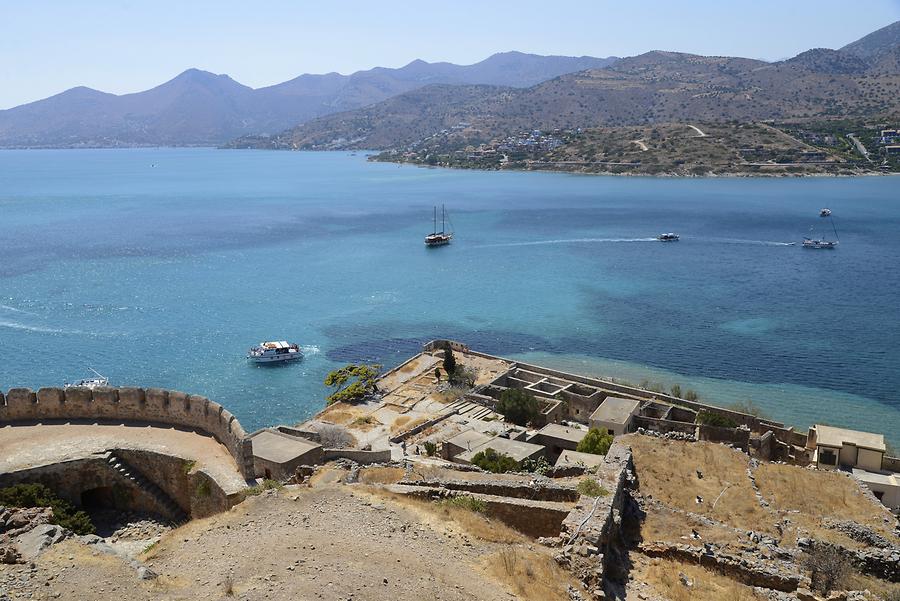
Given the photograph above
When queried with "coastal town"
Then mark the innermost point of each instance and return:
(613, 484)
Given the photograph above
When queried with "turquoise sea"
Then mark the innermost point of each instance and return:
(159, 267)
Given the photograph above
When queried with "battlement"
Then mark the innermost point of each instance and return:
(150, 405)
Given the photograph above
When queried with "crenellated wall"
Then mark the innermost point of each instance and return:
(151, 405)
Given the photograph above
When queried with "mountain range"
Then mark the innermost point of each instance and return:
(861, 79)
(202, 108)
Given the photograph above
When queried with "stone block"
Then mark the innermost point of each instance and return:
(47, 396)
(20, 396)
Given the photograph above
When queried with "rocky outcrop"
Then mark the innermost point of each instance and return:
(16, 522)
(883, 563)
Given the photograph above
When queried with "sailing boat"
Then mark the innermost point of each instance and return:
(822, 242)
(439, 238)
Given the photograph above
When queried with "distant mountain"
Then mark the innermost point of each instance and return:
(876, 43)
(655, 87)
(201, 108)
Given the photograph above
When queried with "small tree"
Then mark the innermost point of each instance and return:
(463, 376)
(691, 395)
(430, 448)
(518, 406)
(449, 360)
(332, 436)
(352, 382)
(595, 442)
(494, 462)
(828, 568)
(676, 390)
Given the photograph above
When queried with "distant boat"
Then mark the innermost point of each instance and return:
(821, 242)
(274, 352)
(669, 237)
(439, 238)
(96, 382)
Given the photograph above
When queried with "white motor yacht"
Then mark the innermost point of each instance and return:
(274, 351)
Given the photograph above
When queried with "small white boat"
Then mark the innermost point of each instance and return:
(274, 351)
(825, 213)
(669, 237)
(96, 382)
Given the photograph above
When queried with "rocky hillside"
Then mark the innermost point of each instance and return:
(201, 108)
(650, 88)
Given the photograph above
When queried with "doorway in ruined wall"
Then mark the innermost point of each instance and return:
(95, 499)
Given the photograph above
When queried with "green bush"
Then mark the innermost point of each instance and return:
(495, 462)
(518, 406)
(38, 495)
(708, 418)
(595, 442)
(676, 390)
(690, 395)
(467, 503)
(538, 466)
(449, 360)
(430, 448)
(589, 487)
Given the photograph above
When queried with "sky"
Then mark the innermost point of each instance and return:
(121, 46)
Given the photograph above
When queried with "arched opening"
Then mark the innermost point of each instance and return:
(98, 498)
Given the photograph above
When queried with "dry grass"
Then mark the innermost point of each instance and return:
(340, 414)
(819, 494)
(668, 470)
(664, 525)
(403, 423)
(664, 576)
(381, 475)
(364, 423)
(531, 575)
(859, 582)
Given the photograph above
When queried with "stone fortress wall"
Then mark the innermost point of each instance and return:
(150, 406)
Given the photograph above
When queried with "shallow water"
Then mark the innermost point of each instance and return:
(159, 267)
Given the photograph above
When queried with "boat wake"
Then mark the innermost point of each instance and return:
(15, 310)
(742, 241)
(565, 241)
(14, 325)
(310, 349)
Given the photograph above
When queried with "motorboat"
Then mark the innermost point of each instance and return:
(825, 213)
(669, 237)
(816, 243)
(274, 352)
(97, 381)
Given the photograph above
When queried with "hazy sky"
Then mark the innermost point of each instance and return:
(47, 46)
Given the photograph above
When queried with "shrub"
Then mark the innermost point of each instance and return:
(518, 406)
(589, 487)
(430, 448)
(38, 495)
(251, 491)
(676, 390)
(538, 466)
(828, 568)
(715, 419)
(595, 442)
(467, 503)
(335, 437)
(494, 462)
(691, 395)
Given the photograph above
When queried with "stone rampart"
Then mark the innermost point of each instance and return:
(151, 406)
(891, 464)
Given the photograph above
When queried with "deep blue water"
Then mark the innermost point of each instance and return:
(160, 267)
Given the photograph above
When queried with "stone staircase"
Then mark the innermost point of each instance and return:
(470, 409)
(126, 471)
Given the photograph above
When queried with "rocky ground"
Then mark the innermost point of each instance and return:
(331, 541)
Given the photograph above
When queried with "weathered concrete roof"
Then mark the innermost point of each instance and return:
(516, 449)
(830, 436)
(279, 448)
(576, 458)
(470, 439)
(615, 410)
(561, 432)
(876, 478)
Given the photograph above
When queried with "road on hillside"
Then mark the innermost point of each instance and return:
(859, 146)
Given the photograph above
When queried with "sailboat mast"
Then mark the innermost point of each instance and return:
(834, 227)
(434, 226)
(443, 220)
